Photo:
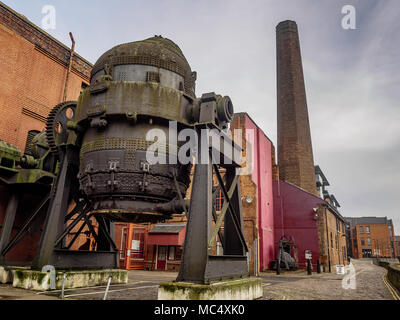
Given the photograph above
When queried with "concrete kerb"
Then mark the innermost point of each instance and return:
(40, 281)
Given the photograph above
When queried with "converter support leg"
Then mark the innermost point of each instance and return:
(8, 223)
(198, 229)
(54, 224)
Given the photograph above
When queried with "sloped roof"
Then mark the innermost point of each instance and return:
(367, 220)
(167, 228)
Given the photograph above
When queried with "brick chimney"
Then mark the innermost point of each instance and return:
(295, 155)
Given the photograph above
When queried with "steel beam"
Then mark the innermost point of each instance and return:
(82, 259)
(8, 223)
(54, 223)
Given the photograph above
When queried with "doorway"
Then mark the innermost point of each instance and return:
(161, 257)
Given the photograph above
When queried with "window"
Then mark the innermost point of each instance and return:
(367, 229)
(361, 229)
(178, 255)
(369, 241)
(171, 253)
(362, 241)
(83, 86)
(219, 200)
(331, 240)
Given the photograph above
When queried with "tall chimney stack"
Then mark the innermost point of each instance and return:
(295, 155)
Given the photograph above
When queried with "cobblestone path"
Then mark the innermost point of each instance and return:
(369, 285)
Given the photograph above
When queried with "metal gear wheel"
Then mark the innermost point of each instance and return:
(56, 124)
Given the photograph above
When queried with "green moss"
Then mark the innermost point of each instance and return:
(196, 291)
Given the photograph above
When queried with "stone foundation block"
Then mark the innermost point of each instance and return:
(236, 289)
(36, 280)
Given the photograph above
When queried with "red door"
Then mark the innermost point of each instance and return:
(161, 257)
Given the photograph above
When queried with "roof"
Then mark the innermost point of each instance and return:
(167, 228)
(367, 220)
(333, 199)
(319, 172)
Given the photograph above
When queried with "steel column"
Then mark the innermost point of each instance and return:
(198, 228)
(56, 212)
(198, 264)
(8, 223)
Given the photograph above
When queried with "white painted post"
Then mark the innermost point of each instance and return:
(63, 285)
(108, 286)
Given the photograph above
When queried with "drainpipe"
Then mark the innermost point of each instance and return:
(69, 66)
(327, 239)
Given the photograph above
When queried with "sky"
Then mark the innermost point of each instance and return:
(352, 76)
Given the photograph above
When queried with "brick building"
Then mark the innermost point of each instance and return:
(397, 246)
(372, 237)
(312, 223)
(34, 68)
(257, 193)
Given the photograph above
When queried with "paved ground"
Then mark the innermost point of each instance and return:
(142, 285)
(369, 285)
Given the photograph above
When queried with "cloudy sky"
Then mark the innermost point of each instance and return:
(352, 76)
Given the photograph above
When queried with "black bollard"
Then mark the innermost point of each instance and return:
(318, 266)
(309, 270)
(278, 267)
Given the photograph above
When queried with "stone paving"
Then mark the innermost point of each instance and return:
(328, 286)
(142, 285)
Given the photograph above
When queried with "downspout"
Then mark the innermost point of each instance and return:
(327, 239)
(69, 66)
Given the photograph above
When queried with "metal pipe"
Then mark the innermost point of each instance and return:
(108, 286)
(69, 66)
(327, 239)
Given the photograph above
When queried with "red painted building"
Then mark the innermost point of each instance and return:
(259, 152)
(294, 218)
(312, 223)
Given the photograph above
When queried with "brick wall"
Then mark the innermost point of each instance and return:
(295, 155)
(332, 238)
(380, 241)
(258, 186)
(34, 68)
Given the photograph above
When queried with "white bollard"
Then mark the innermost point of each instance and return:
(63, 285)
(108, 286)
